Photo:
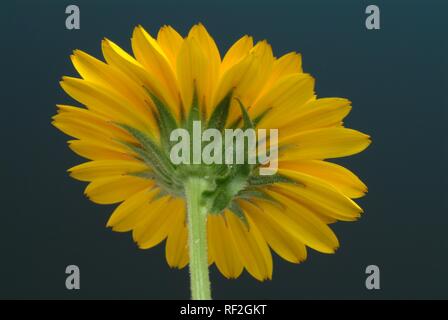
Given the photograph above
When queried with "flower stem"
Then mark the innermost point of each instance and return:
(197, 238)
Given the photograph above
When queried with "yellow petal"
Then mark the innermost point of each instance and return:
(157, 224)
(320, 195)
(278, 231)
(246, 78)
(286, 97)
(115, 189)
(100, 73)
(286, 65)
(212, 60)
(176, 249)
(251, 247)
(249, 91)
(316, 114)
(92, 170)
(84, 124)
(105, 103)
(91, 138)
(237, 75)
(222, 248)
(131, 211)
(191, 73)
(170, 41)
(308, 228)
(118, 58)
(207, 44)
(94, 70)
(323, 144)
(339, 177)
(237, 51)
(97, 150)
(151, 56)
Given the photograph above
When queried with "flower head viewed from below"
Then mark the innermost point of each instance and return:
(225, 214)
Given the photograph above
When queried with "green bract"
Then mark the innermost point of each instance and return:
(224, 183)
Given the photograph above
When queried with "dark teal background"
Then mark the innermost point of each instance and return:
(394, 76)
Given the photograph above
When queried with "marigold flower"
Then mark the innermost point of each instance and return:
(223, 214)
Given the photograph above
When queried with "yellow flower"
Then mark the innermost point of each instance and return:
(130, 102)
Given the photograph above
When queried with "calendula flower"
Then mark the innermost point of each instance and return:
(225, 214)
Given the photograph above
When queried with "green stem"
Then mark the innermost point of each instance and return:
(197, 239)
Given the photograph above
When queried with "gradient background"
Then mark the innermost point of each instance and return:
(394, 76)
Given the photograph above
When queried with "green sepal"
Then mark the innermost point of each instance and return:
(251, 193)
(145, 141)
(159, 171)
(194, 114)
(165, 120)
(260, 180)
(219, 116)
(227, 187)
(247, 122)
(236, 210)
(146, 174)
(151, 153)
(161, 194)
(221, 171)
(245, 116)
